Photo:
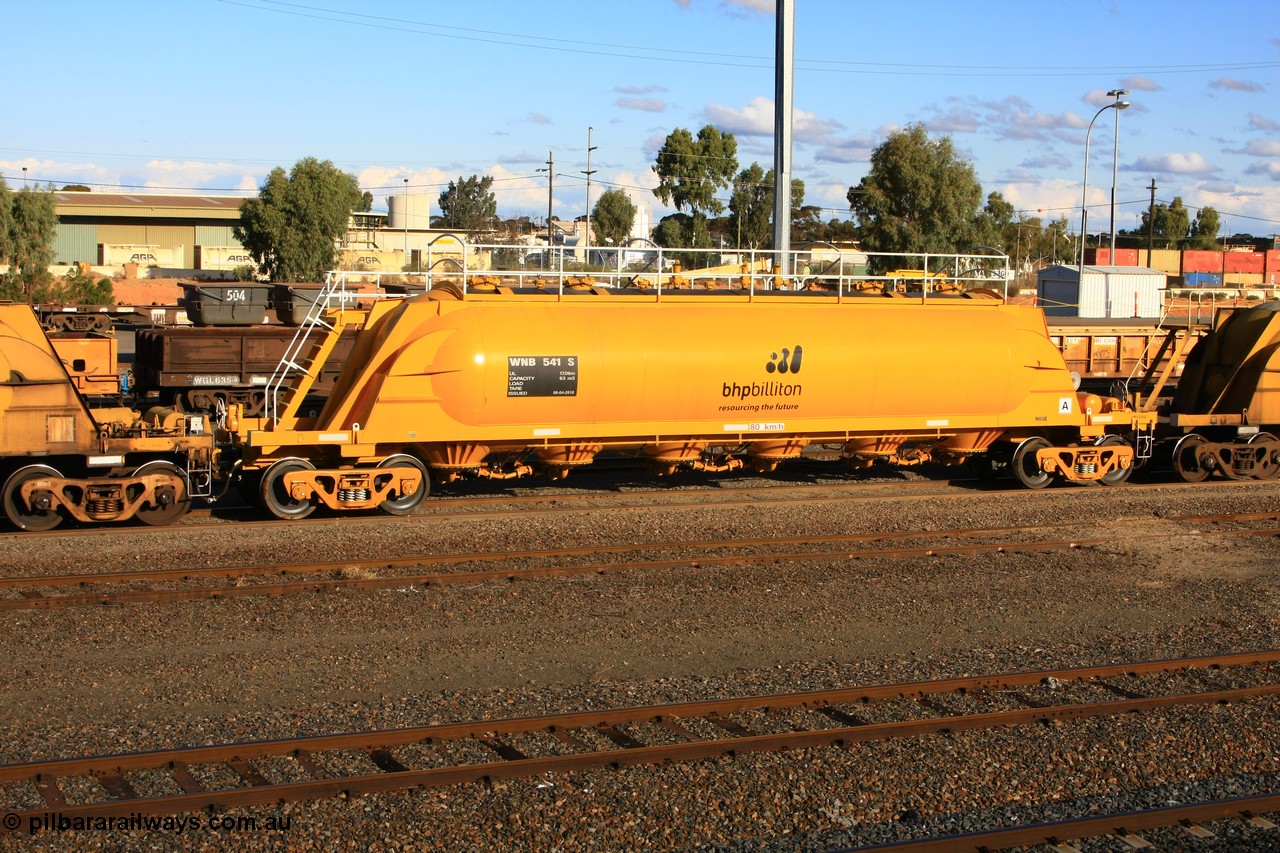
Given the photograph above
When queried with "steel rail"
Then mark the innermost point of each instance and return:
(509, 762)
(183, 573)
(84, 578)
(1125, 825)
(444, 509)
(153, 596)
(435, 511)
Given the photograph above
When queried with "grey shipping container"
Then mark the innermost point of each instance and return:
(294, 301)
(237, 304)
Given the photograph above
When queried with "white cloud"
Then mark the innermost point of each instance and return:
(763, 7)
(1141, 84)
(1047, 160)
(1257, 122)
(1007, 118)
(1263, 148)
(1035, 125)
(180, 176)
(1047, 200)
(958, 119)
(853, 150)
(1267, 168)
(1175, 163)
(756, 119)
(1234, 85)
(639, 90)
(647, 105)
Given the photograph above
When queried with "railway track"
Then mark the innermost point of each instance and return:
(448, 508)
(191, 779)
(386, 573)
(558, 502)
(1124, 826)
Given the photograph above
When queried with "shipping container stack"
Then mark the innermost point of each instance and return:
(1199, 267)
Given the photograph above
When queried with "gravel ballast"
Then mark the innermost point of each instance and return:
(148, 676)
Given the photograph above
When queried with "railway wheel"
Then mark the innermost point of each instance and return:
(275, 495)
(1119, 475)
(1186, 458)
(40, 516)
(170, 503)
(404, 504)
(1267, 463)
(1024, 464)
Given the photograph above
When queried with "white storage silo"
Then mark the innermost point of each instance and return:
(412, 212)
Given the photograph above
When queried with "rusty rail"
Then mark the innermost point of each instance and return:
(603, 738)
(1125, 826)
(444, 508)
(725, 497)
(33, 600)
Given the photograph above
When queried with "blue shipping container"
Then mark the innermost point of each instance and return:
(1202, 279)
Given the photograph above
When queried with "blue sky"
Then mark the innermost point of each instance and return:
(197, 96)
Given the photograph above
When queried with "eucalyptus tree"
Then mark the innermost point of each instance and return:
(28, 225)
(919, 196)
(468, 205)
(691, 170)
(292, 228)
(612, 217)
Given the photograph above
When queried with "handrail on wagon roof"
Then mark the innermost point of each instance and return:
(655, 270)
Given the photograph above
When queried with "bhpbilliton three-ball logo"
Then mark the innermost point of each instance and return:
(786, 362)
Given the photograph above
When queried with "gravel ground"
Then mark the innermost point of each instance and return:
(106, 679)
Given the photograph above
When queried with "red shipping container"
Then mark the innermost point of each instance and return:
(1199, 260)
(1272, 270)
(1101, 257)
(1250, 262)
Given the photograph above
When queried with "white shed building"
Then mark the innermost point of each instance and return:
(1101, 292)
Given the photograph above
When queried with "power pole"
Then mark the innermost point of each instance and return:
(551, 180)
(1151, 221)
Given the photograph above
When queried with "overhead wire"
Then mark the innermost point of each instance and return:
(650, 53)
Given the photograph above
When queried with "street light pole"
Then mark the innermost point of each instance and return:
(406, 223)
(586, 257)
(1084, 201)
(1115, 167)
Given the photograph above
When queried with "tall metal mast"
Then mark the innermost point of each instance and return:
(782, 98)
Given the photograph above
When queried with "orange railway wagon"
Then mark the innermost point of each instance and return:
(91, 360)
(1103, 351)
(500, 383)
(61, 459)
